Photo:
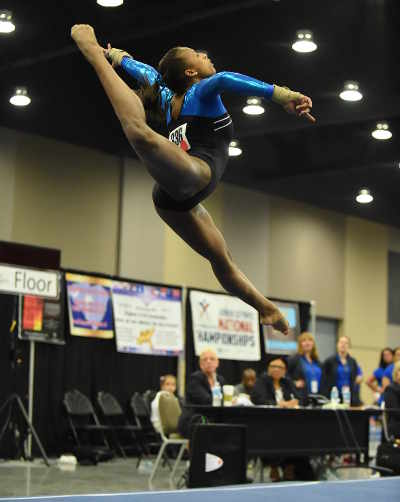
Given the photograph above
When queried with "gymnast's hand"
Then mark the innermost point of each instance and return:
(301, 108)
(277, 320)
(85, 39)
(115, 55)
(293, 102)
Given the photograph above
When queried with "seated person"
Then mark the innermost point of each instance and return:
(204, 387)
(167, 384)
(274, 388)
(392, 401)
(248, 381)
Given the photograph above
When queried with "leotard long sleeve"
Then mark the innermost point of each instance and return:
(203, 128)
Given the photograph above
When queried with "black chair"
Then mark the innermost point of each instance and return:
(121, 428)
(85, 427)
(148, 397)
(141, 413)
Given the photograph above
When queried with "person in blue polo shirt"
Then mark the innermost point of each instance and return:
(304, 368)
(342, 370)
(374, 381)
(388, 373)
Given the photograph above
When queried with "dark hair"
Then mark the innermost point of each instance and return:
(172, 70)
(382, 363)
(248, 372)
(278, 358)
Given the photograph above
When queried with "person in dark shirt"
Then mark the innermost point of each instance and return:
(273, 388)
(304, 368)
(249, 378)
(202, 386)
(341, 370)
(392, 401)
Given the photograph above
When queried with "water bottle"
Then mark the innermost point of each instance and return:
(335, 396)
(346, 395)
(217, 394)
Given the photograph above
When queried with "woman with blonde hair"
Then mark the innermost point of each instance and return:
(304, 368)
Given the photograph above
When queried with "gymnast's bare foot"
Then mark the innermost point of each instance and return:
(277, 320)
(85, 39)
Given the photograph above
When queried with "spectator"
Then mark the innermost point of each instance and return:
(341, 370)
(167, 384)
(388, 373)
(374, 382)
(201, 387)
(274, 388)
(248, 381)
(304, 368)
(392, 401)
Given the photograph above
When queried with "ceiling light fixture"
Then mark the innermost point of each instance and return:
(6, 24)
(234, 148)
(304, 42)
(253, 106)
(20, 97)
(110, 3)
(382, 131)
(364, 196)
(351, 91)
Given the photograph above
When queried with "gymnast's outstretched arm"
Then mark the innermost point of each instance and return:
(142, 72)
(236, 83)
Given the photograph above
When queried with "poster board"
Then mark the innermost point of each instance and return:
(89, 305)
(226, 324)
(148, 318)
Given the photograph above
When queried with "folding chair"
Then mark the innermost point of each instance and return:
(116, 418)
(148, 397)
(141, 414)
(83, 421)
(170, 412)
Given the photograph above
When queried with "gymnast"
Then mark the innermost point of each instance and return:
(186, 93)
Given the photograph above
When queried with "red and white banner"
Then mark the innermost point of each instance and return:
(225, 324)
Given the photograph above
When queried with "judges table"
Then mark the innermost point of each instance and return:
(296, 432)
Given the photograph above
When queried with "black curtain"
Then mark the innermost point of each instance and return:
(232, 370)
(89, 365)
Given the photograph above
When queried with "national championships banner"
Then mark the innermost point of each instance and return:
(89, 306)
(148, 319)
(226, 324)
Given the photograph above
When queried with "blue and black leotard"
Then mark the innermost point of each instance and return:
(204, 128)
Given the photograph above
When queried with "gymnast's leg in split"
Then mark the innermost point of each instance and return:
(180, 175)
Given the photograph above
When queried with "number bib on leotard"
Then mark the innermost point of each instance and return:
(178, 136)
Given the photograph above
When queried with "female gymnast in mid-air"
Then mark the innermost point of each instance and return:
(186, 91)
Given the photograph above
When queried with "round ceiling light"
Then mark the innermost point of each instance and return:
(304, 42)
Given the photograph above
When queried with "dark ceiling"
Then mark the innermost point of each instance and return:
(324, 164)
